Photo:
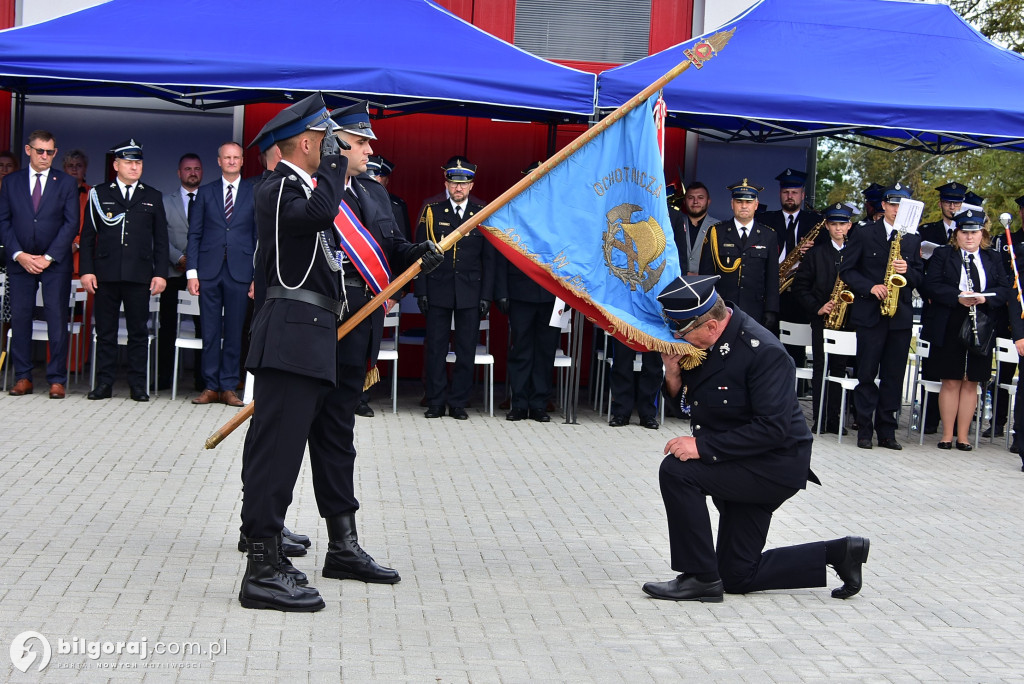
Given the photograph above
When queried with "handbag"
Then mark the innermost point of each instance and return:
(986, 332)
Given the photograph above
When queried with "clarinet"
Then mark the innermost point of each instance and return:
(973, 309)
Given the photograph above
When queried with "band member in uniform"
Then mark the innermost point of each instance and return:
(882, 340)
(380, 169)
(792, 224)
(124, 260)
(745, 253)
(872, 205)
(460, 288)
(750, 452)
(954, 271)
(308, 381)
(1016, 326)
(817, 289)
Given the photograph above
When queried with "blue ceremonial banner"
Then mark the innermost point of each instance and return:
(595, 231)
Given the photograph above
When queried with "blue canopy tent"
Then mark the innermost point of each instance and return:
(867, 71)
(402, 55)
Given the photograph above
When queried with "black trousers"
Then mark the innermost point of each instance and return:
(881, 353)
(638, 390)
(466, 334)
(109, 298)
(836, 366)
(532, 356)
(745, 504)
(291, 411)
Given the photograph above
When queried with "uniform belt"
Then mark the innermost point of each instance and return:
(306, 296)
(354, 281)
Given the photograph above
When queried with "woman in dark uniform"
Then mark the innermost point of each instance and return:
(954, 271)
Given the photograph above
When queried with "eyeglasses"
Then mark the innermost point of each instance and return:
(679, 334)
(42, 152)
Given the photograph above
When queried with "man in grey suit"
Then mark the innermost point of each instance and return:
(691, 225)
(177, 205)
(221, 244)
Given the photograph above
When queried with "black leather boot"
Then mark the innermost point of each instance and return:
(286, 567)
(296, 537)
(347, 560)
(288, 546)
(266, 586)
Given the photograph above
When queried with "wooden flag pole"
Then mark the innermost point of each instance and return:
(700, 52)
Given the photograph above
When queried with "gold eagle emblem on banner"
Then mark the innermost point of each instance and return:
(641, 242)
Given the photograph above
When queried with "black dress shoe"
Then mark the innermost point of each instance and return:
(363, 409)
(458, 413)
(945, 445)
(890, 443)
(618, 421)
(687, 588)
(650, 422)
(833, 429)
(296, 537)
(139, 394)
(864, 443)
(931, 430)
(960, 446)
(101, 392)
(540, 415)
(849, 569)
(516, 414)
(1000, 432)
(434, 412)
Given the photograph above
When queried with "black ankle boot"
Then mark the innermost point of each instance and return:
(286, 567)
(347, 560)
(289, 547)
(265, 585)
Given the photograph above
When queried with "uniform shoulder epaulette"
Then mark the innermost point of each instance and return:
(750, 339)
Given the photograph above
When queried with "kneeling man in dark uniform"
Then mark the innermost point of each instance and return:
(750, 451)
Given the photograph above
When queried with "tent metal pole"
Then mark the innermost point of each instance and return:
(18, 125)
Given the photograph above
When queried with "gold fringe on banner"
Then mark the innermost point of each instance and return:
(692, 356)
(372, 378)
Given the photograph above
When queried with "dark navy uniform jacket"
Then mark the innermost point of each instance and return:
(466, 276)
(755, 284)
(132, 252)
(864, 264)
(743, 405)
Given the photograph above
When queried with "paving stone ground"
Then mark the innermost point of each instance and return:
(522, 548)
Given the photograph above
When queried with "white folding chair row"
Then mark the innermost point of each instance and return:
(152, 369)
(1005, 352)
(844, 344)
(563, 363)
(40, 332)
(188, 305)
(797, 335)
(927, 387)
(482, 357)
(389, 350)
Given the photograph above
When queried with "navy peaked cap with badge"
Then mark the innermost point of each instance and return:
(377, 165)
(309, 114)
(686, 298)
(791, 178)
(952, 192)
(355, 119)
(744, 190)
(838, 213)
(129, 149)
(873, 193)
(459, 170)
(971, 198)
(970, 220)
(893, 194)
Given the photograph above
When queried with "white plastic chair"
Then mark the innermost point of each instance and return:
(797, 335)
(482, 357)
(563, 363)
(188, 305)
(845, 344)
(1005, 352)
(389, 350)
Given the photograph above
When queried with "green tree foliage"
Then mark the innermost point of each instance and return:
(844, 169)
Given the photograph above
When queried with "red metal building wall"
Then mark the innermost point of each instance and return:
(419, 144)
(6, 21)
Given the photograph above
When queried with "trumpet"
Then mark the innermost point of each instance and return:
(893, 280)
(841, 298)
(792, 260)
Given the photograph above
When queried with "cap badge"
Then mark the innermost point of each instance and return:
(724, 349)
(755, 342)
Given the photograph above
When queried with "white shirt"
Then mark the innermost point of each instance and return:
(306, 178)
(743, 230)
(184, 197)
(459, 206)
(839, 247)
(234, 188)
(32, 180)
(121, 186)
(978, 287)
(888, 229)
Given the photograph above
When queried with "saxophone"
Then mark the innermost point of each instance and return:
(792, 260)
(840, 298)
(893, 280)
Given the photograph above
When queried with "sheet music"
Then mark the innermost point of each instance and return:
(909, 215)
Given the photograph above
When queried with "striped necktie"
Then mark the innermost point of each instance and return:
(229, 205)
